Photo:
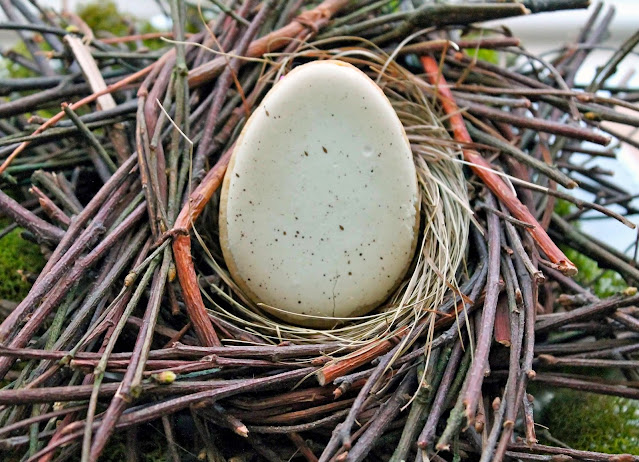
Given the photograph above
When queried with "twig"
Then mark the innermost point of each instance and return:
(485, 335)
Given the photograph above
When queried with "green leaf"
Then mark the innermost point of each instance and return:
(484, 54)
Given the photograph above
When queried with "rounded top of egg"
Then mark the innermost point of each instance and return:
(319, 212)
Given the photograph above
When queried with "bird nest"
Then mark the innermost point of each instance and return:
(445, 214)
(134, 325)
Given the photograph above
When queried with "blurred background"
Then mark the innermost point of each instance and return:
(539, 32)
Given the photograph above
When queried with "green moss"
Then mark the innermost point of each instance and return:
(9, 69)
(482, 54)
(563, 207)
(593, 422)
(12, 70)
(604, 283)
(105, 17)
(16, 255)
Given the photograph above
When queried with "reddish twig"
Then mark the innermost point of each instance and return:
(485, 171)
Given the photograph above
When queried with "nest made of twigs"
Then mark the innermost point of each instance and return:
(445, 215)
(114, 336)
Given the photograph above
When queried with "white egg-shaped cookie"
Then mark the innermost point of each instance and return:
(319, 211)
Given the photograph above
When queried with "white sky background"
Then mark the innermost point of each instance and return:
(540, 32)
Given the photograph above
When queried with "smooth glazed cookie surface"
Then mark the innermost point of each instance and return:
(319, 207)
